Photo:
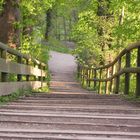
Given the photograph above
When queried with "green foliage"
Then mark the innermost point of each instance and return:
(15, 96)
(104, 32)
(86, 35)
(32, 26)
(43, 89)
(1, 5)
(128, 32)
(131, 98)
(57, 45)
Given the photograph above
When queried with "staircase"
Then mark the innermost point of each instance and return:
(69, 113)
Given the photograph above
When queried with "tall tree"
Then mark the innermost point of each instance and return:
(48, 23)
(9, 18)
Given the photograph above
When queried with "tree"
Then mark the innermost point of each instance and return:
(48, 21)
(9, 18)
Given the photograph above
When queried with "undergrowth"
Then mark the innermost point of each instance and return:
(58, 46)
(42, 89)
(131, 98)
(15, 95)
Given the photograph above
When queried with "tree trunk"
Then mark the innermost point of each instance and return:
(48, 23)
(65, 28)
(9, 18)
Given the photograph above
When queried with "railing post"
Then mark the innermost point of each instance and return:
(0, 57)
(78, 71)
(127, 75)
(111, 81)
(27, 76)
(106, 83)
(35, 65)
(95, 76)
(118, 77)
(100, 83)
(138, 74)
(41, 75)
(19, 60)
(44, 77)
(4, 75)
(83, 75)
(88, 76)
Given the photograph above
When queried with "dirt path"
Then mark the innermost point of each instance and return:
(62, 66)
(63, 74)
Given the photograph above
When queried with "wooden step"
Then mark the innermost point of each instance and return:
(67, 135)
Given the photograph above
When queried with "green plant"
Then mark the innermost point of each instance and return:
(57, 45)
(42, 89)
(15, 95)
(131, 97)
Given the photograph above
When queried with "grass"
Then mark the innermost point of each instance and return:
(60, 49)
(131, 98)
(43, 89)
(15, 96)
(58, 46)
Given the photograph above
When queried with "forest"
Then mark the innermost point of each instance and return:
(98, 29)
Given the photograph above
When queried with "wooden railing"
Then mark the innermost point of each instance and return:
(19, 71)
(106, 79)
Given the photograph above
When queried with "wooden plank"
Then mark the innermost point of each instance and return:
(15, 68)
(7, 88)
(127, 75)
(122, 53)
(138, 74)
(117, 83)
(95, 76)
(19, 76)
(17, 53)
(100, 83)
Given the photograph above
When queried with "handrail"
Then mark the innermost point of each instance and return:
(33, 74)
(123, 52)
(110, 73)
(17, 53)
(125, 70)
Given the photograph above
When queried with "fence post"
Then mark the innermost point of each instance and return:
(78, 71)
(88, 76)
(27, 76)
(95, 76)
(127, 75)
(83, 76)
(138, 74)
(111, 81)
(39, 77)
(81, 71)
(19, 60)
(100, 83)
(0, 57)
(44, 77)
(4, 75)
(118, 77)
(35, 66)
(106, 83)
